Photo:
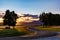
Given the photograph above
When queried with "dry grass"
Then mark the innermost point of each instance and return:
(52, 28)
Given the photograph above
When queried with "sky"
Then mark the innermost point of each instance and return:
(34, 7)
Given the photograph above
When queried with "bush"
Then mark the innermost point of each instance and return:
(10, 32)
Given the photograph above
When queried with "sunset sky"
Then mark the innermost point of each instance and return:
(31, 6)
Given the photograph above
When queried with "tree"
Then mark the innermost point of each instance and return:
(10, 18)
(6, 17)
(50, 19)
(13, 18)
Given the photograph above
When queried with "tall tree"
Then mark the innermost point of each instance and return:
(6, 17)
(13, 18)
(10, 18)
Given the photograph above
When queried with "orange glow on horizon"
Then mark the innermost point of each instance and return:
(1, 20)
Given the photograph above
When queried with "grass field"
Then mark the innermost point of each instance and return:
(25, 29)
(48, 28)
(19, 28)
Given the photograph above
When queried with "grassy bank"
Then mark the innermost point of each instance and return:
(19, 30)
(10, 32)
(48, 29)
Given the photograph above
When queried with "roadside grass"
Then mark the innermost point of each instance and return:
(18, 31)
(10, 32)
(47, 28)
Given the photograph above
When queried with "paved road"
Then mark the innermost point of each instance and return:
(42, 33)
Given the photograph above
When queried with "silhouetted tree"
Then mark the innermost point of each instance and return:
(50, 19)
(6, 17)
(42, 17)
(13, 18)
(10, 18)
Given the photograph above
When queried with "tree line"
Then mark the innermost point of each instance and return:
(50, 19)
